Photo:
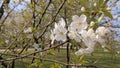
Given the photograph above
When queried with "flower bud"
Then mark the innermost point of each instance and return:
(94, 4)
(82, 9)
(92, 23)
(108, 8)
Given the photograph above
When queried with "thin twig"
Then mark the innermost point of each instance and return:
(54, 17)
(44, 12)
(24, 56)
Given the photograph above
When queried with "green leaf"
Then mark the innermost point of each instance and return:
(40, 11)
(70, 1)
(107, 13)
(33, 65)
(12, 35)
(56, 65)
(81, 59)
(85, 3)
(100, 18)
(36, 64)
(41, 66)
(100, 3)
(105, 3)
(51, 52)
(1, 42)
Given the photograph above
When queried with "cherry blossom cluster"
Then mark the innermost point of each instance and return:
(80, 31)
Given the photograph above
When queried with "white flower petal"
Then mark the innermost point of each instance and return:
(80, 52)
(72, 27)
(75, 18)
(84, 51)
(85, 25)
(59, 31)
(89, 50)
(52, 37)
(78, 23)
(56, 25)
(88, 37)
(90, 31)
(62, 22)
(103, 34)
(83, 18)
(74, 35)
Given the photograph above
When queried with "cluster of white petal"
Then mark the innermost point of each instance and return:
(89, 39)
(59, 32)
(103, 33)
(79, 31)
(78, 24)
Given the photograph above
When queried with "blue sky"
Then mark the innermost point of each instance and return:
(21, 6)
(115, 11)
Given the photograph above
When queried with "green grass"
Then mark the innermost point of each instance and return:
(105, 59)
(99, 58)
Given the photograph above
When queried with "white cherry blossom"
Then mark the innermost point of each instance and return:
(103, 33)
(84, 51)
(59, 32)
(78, 23)
(88, 37)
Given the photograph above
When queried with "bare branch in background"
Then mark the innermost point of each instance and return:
(6, 2)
